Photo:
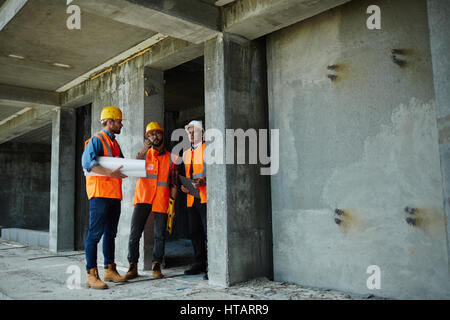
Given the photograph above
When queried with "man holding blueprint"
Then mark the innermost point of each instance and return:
(104, 191)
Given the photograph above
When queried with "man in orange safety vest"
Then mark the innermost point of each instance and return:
(195, 169)
(154, 194)
(105, 194)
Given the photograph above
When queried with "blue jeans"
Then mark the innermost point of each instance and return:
(103, 220)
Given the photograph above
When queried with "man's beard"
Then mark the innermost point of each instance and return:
(158, 144)
(116, 130)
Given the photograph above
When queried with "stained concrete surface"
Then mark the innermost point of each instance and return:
(366, 143)
(29, 273)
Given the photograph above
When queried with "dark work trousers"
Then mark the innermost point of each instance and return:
(197, 232)
(141, 213)
(104, 217)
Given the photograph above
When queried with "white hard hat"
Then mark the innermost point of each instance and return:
(194, 123)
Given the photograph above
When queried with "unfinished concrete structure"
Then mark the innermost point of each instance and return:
(362, 114)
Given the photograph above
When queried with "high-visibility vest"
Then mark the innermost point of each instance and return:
(194, 158)
(155, 188)
(105, 187)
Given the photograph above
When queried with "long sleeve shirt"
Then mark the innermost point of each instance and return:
(93, 150)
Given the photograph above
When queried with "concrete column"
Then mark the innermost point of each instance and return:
(239, 231)
(153, 111)
(62, 184)
(439, 23)
(154, 95)
(123, 88)
(139, 92)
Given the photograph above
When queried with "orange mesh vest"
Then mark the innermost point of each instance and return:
(104, 187)
(194, 158)
(155, 188)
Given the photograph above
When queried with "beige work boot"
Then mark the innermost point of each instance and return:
(132, 271)
(111, 274)
(156, 268)
(93, 280)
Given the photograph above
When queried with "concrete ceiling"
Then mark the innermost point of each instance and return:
(39, 55)
(38, 33)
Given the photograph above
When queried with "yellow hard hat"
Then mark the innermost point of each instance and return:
(153, 126)
(111, 113)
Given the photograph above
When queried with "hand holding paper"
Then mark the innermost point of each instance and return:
(121, 167)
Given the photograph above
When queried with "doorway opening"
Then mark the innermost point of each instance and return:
(83, 132)
(184, 100)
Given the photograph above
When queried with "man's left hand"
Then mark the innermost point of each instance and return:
(198, 183)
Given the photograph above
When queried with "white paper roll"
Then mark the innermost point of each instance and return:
(131, 167)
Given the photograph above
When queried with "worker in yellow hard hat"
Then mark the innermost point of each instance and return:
(104, 194)
(154, 194)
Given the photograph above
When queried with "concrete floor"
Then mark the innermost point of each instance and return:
(29, 273)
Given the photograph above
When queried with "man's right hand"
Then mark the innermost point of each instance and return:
(117, 174)
(147, 145)
(184, 189)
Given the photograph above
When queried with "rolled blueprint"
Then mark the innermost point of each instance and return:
(131, 167)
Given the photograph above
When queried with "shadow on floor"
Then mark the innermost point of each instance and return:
(178, 253)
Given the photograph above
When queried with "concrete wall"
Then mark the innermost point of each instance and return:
(25, 185)
(366, 143)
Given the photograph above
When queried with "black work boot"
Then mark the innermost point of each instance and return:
(196, 268)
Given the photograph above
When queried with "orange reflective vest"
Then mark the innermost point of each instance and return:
(155, 188)
(194, 158)
(105, 187)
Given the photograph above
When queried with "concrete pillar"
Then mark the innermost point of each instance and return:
(153, 111)
(439, 24)
(239, 229)
(138, 91)
(154, 95)
(62, 184)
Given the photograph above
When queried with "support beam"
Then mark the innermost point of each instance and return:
(62, 186)
(170, 52)
(28, 120)
(113, 61)
(9, 10)
(193, 21)
(26, 97)
(239, 220)
(164, 55)
(195, 11)
(255, 18)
